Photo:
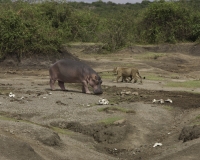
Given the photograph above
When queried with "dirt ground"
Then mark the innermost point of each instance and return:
(68, 125)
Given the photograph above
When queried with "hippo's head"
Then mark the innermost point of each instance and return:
(95, 82)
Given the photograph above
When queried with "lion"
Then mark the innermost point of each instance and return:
(125, 73)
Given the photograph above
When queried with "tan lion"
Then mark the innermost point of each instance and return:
(125, 73)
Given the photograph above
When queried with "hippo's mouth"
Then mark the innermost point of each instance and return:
(98, 91)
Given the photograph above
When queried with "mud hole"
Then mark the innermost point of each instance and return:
(182, 100)
(104, 134)
(190, 133)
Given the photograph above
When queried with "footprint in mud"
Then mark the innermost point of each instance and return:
(60, 103)
(17, 100)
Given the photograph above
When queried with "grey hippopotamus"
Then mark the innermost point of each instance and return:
(72, 71)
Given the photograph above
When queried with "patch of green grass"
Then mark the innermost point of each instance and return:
(174, 76)
(170, 108)
(196, 121)
(186, 84)
(198, 117)
(56, 129)
(150, 55)
(110, 120)
(82, 44)
(154, 77)
(107, 75)
(61, 131)
(129, 65)
(116, 108)
(4, 91)
(6, 118)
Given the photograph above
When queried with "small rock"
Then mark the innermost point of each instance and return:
(121, 121)
(158, 101)
(135, 93)
(11, 72)
(168, 100)
(157, 144)
(11, 131)
(11, 95)
(103, 101)
(161, 101)
(123, 92)
(22, 97)
(128, 92)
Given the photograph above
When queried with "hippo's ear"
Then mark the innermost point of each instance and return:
(98, 78)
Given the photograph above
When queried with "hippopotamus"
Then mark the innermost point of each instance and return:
(72, 71)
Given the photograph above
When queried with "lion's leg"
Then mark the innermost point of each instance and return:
(140, 79)
(131, 78)
(127, 79)
(135, 79)
(118, 78)
(124, 79)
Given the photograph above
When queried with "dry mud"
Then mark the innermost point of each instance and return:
(68, 125)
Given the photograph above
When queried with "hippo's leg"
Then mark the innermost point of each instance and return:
(52, 82)
(85, 88)
(61, 84)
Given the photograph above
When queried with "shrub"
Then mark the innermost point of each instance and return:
(23, 31)
(165, 22)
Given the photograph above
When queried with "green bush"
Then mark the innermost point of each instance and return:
(195, 35)
(84, 26)
(117, 31)
(23, 31)
(41, 28)
(11, 33)
(165, 22)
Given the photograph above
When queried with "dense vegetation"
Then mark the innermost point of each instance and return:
(29, 28)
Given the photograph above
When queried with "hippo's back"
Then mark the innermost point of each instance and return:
(68, 70)
(69, 63)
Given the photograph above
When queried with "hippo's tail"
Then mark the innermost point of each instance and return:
(50, 71)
